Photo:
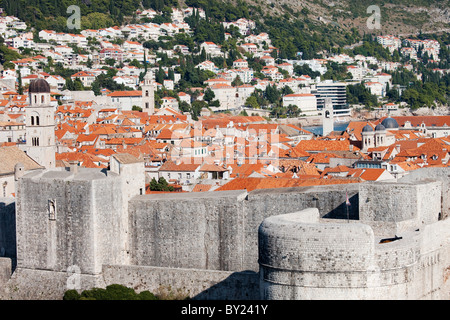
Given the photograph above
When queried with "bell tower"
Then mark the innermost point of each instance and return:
(40, 125)
(328, 117)
(148, 94)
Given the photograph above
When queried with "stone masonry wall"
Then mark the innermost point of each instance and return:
(437, 174)
(218, 230)
(201, 231)
(55, 244)
(391, 207)
(216, 233)
(85, 230)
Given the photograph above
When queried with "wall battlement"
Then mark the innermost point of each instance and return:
(94, 221)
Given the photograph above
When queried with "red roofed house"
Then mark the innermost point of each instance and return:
(125, 100)
(111, 53)
(86, 77)
(181, 173)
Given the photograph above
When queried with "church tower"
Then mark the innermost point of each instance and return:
(40, 125)
(328, 117)
(148, 94)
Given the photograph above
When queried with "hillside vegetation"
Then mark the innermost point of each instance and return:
(403, 16)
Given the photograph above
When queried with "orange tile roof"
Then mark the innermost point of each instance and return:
(172, 166)
(251, 184)
(202, 188)
(245, 170)
(323, 145)
(372, 174)
(321, 157)
(134, 93)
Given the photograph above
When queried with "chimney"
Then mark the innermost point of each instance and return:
(19, 171)
(73, 166)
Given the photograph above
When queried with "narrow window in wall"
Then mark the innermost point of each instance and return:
(52, 209)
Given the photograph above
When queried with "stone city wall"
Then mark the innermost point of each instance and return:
(218, 230)
(216, 233)
(198, 284)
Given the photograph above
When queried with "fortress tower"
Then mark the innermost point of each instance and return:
(40, 125)
(148, 94)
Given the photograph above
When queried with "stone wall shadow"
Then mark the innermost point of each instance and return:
(340, 212)
(243, 285)
(8, 240)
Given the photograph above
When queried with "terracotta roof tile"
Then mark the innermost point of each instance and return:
(251, 184)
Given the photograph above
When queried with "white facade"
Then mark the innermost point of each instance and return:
(306, 102)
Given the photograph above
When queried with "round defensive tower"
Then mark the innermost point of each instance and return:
(301, 258)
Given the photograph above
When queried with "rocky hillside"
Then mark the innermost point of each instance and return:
(397, 17)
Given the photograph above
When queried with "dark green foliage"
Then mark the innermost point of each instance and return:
(111, 292)
(372, 48)
(7, 55)
(431, 89)
(306, 70)
(160, 185)
(336, 72)
(358, 94)
(272, 94)
(103, 81)
(52, 14)
(71, 295)
(293, 36)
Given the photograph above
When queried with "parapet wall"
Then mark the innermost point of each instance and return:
(393, 207)
(218, 230)
(437, 174)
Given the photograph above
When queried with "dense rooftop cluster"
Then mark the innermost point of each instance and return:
(217, 104)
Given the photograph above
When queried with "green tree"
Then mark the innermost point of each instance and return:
(112, 292)
(237, 82)
(252, 102)
(19, 80)
(160, 185)
(209, 95)
(272, 94)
